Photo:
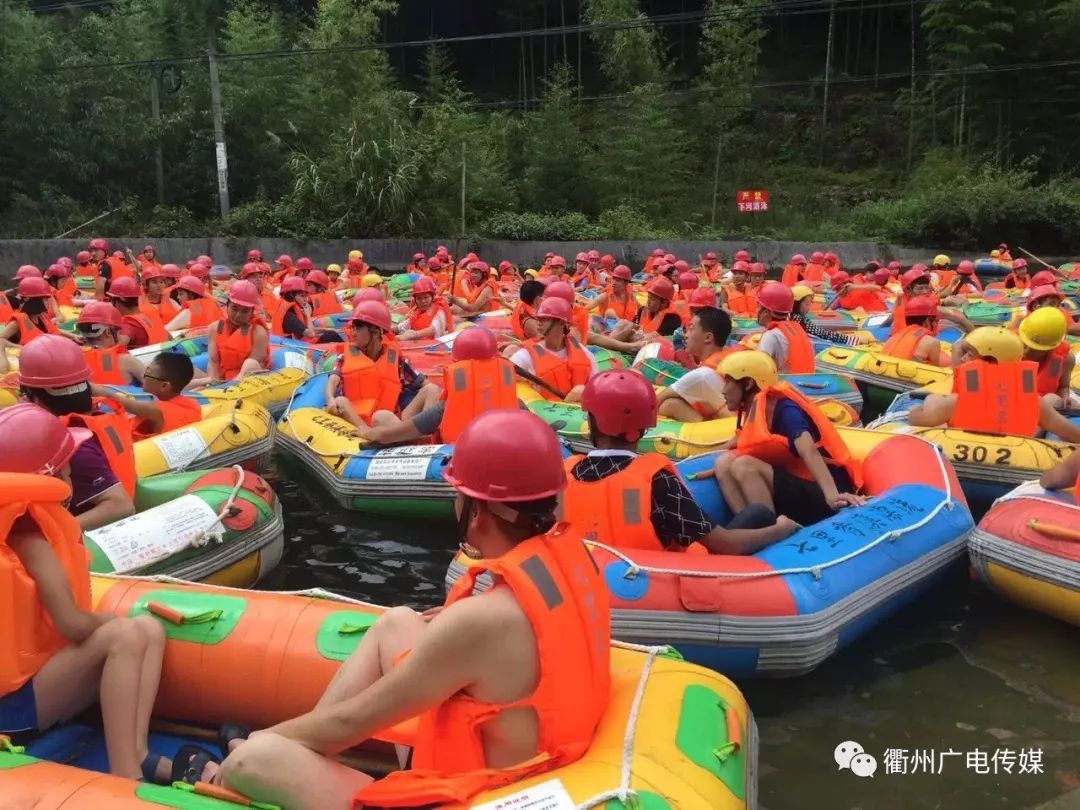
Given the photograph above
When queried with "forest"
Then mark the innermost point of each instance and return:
(941, 122)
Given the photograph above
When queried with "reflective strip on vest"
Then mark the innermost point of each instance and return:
(460, 379)
(106, 362)
(971, 380)
(537, 572)
(114, 439)
(631, 506)
(1027, 381)
(508, 374)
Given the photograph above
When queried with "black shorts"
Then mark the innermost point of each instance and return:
(799, 499)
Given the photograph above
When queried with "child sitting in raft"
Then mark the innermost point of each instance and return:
(165, 379)
(787, 456)
(917, 341)
(507, 684)
(68, 655)
(699, 394)
(621, 406)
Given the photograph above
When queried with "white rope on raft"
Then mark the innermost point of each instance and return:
(814, 570)
(211, 532)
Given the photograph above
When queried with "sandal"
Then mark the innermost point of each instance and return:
(229, 732)
(190, 762)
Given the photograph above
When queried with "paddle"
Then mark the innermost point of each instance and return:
(1040, 261)
(525, 375)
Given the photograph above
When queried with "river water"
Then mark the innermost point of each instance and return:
(961, 672)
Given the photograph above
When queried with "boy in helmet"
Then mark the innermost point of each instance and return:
(788, 456)
(613, 486)
(548, 604)
(994, 391)
(784, 340)
(167, 409)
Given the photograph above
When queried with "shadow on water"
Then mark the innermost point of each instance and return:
(960, 671)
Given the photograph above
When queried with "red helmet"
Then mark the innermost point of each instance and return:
(170, 271)
(662, 288)
(249, 269)
(916, 273)
(82, 257)
(57, 271)
(293, 284)
(98, 244)
(284, 260)
(477, 343)
(798, 258)
(505, 266)
(742, 256)
(372, 313)
(555, 308)
(477, 266)
(873, 264)
(352, 264)
(434, 263)
(507, 455)
(622, 403)
(832, 258)
(99, 313)
(965, 268)
(658, 253)
(882, 276)
(66, 262)
(702, 297)
(254, 255)
(125, 287)
(607, 261)
(52, 362)
(921, 306)
(199, 270)
(423, 286)
(34, 287)
(243, 294)
(418, 257)
(150, 273)
(204, 259)
(369, 294)
(581, 257)
(1019, 263)
(895, 265)
(817, 257)
(1044, 278)
(687, 281)
(839, 279)
(622, 272)
(304, 263)
(319, 279)
(560, 289)
(1045, 291)
(27, 271)
(149, 249)
(682, 267)
(557, 261)
(192, 285)
(37, 442)
(472, 257)
(594, 255)
(740, 267)
(710, 256)
(776, 297)
(669, 258)
(757, 269)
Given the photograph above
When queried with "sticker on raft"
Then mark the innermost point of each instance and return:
(300, 361)
(181, 447)
(403, 463)
(550, 795)
(149, 537)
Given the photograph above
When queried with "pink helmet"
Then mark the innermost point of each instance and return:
(798, 258)
(170, 271)
(424, 286)
(319, 279)
(192, 285)
(623, 273)
(682, 266)
(621, 403)
(740, 267)
(369, 294)
(688, 281)
(150, 273)
(1044, 278)
(33, 287)
(776, 297)
(200, 270)
(742, 256)
(249, 269)
(82, 257)
(757, 269)
(27, 271)
(293, 284)
(710, 256)
(52, 362)
(57, 271)
(254, 255)
(662, 288)
(702, 297)
(304, 263)
(98, 244)
(99, 313)
(477, 343)
(669, 258)
(817, 257)
(65, 261)
(560, 289)
(285, 260)
(882, 276)
(372, 313)
(839, 279)
(37, 442)
(418, 257)
(557, 261)
(555, 308)
(204, 259)
(607, 261)
(434, 263)
(658, 253)
(243, 294)
(125, 287)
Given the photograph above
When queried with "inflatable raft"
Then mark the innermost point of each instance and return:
(221, 526)
(1026, 549)
(881, 376)
(674, 735)
(787, 608)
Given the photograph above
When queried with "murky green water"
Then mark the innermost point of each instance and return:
(962, 671)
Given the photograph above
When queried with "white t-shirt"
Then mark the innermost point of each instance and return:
(775, 344)
(522, 359)
(702, 385)
(439, 322)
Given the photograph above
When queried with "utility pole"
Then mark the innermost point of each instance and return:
(155, 112)
(219, 123)
(716, 178)
(463, 188)
(911, 96)
(825, 97)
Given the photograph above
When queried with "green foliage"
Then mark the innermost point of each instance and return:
(730, 42)
(630, 56)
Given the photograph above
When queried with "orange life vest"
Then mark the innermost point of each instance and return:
(903, 344)
(472, 293)
(616, 510)
(325, 303)
(814, 272)
(714, 360)
(88, 270)
(371, 385)
(522, 312)
(277, 324)
(562, 375)
(755, 438)
(650, 323)
(234, 344)
(418, 320)
(742, 303)
(146, 264)
(899, 320)
(996, 398)
(971, 281)
(105, 365)
(472, 388)
(557, 585)
(6, 310)
(580, 320)
(706, 275)
(28, 638)
(1018, 283)
(166, 309)
(1050, 368)
(29, 329)
(176, 413)
(868, 300)
(800, 356)
(792, 275)
(155, 330)
(204, 311)
(269, 302)
(625, 310)
(114, 433)
(65, 293)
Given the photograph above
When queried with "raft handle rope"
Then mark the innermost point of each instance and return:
(211, 532)
(815, 571)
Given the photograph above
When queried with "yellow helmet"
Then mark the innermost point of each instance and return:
(355, 254)
(995, 254)
(995, 342)
(531, 273)
(941, 260)
(801, 291)
(1044, 329)
(748, 365)
(371, 280)
(333, 268)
